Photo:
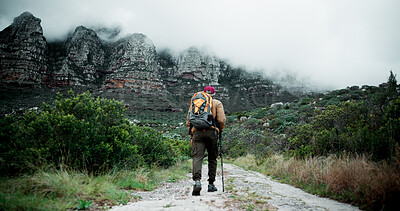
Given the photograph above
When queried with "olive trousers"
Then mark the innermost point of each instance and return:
(202, 140)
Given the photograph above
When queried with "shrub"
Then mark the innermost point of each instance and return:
(252, 124)
(239, 141)
(240, 114)
(392, 120)
(230, 119)
(306, 110)
(305, 101)
(351, 127)
(79, 132)
(260, 113)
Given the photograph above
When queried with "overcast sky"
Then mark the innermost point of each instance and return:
(335, 43)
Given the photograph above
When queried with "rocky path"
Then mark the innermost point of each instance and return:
(244, 190)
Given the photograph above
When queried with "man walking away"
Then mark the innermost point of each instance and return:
(207, 138)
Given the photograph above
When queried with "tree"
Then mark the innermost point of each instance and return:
(392, 87)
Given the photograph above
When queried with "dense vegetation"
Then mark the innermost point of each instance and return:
(343, 144)
(83, 133)
(81, 152)
(352, 121)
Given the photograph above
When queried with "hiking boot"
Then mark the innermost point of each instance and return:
(196, 188)
(211, 188)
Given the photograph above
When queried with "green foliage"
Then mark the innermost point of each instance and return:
(52, 189)
(306, 110)
(239, 141)
(392, 120)
(392, 86)
(83, 204)
(260, 113)
(231, 119)
(252, 124)
(81, 132)
(240, 114)
(329, 100)
(348, 127)
(181, 149)
(305, 101)
(348, 121)
(283, 119)
(301, 139)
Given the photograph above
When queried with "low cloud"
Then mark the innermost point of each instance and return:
(330, 43)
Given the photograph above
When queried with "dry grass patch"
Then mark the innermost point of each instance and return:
(355, 180)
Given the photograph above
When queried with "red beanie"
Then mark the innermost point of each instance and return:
(209, 90)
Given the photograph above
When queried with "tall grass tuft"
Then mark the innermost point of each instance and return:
(59, 189)
(52, 189)
(355, 180)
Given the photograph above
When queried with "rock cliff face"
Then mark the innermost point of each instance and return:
(129, 69)
(23, 52)
(83, 61)
(133, 66)
(198, 65)
(132, 74)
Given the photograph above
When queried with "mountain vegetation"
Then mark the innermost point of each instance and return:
(342, 144)
(352, 121)
(82, 132)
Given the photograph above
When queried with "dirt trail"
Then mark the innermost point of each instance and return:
(244, 190)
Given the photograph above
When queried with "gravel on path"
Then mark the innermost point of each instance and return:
(244, 190)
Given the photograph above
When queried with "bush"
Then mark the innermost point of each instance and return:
(252, 124)
(306, 110)
(229, 119)
(260, 113)
(79, 132)
(305, 101)
(239, 141)
(351, 127)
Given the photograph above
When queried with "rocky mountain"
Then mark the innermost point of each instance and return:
(128, 69)
(197, 65)
(23, 51)
(84, 57)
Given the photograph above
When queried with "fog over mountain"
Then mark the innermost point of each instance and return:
(333, 44)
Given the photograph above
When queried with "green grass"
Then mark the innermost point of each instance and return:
(62, 189)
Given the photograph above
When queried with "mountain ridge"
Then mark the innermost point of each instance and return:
(129, 69)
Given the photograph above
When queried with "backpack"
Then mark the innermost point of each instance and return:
(200, 115)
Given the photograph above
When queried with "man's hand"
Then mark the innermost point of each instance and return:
(191, 142)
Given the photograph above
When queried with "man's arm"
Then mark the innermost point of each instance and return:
(221, 118)
(189, 125)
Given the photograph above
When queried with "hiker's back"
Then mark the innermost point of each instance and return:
(200, 112)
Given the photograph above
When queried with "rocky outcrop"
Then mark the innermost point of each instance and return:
(198, 65)
(133, 74)
(83, 62)
(133, 66)
(23, 48)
